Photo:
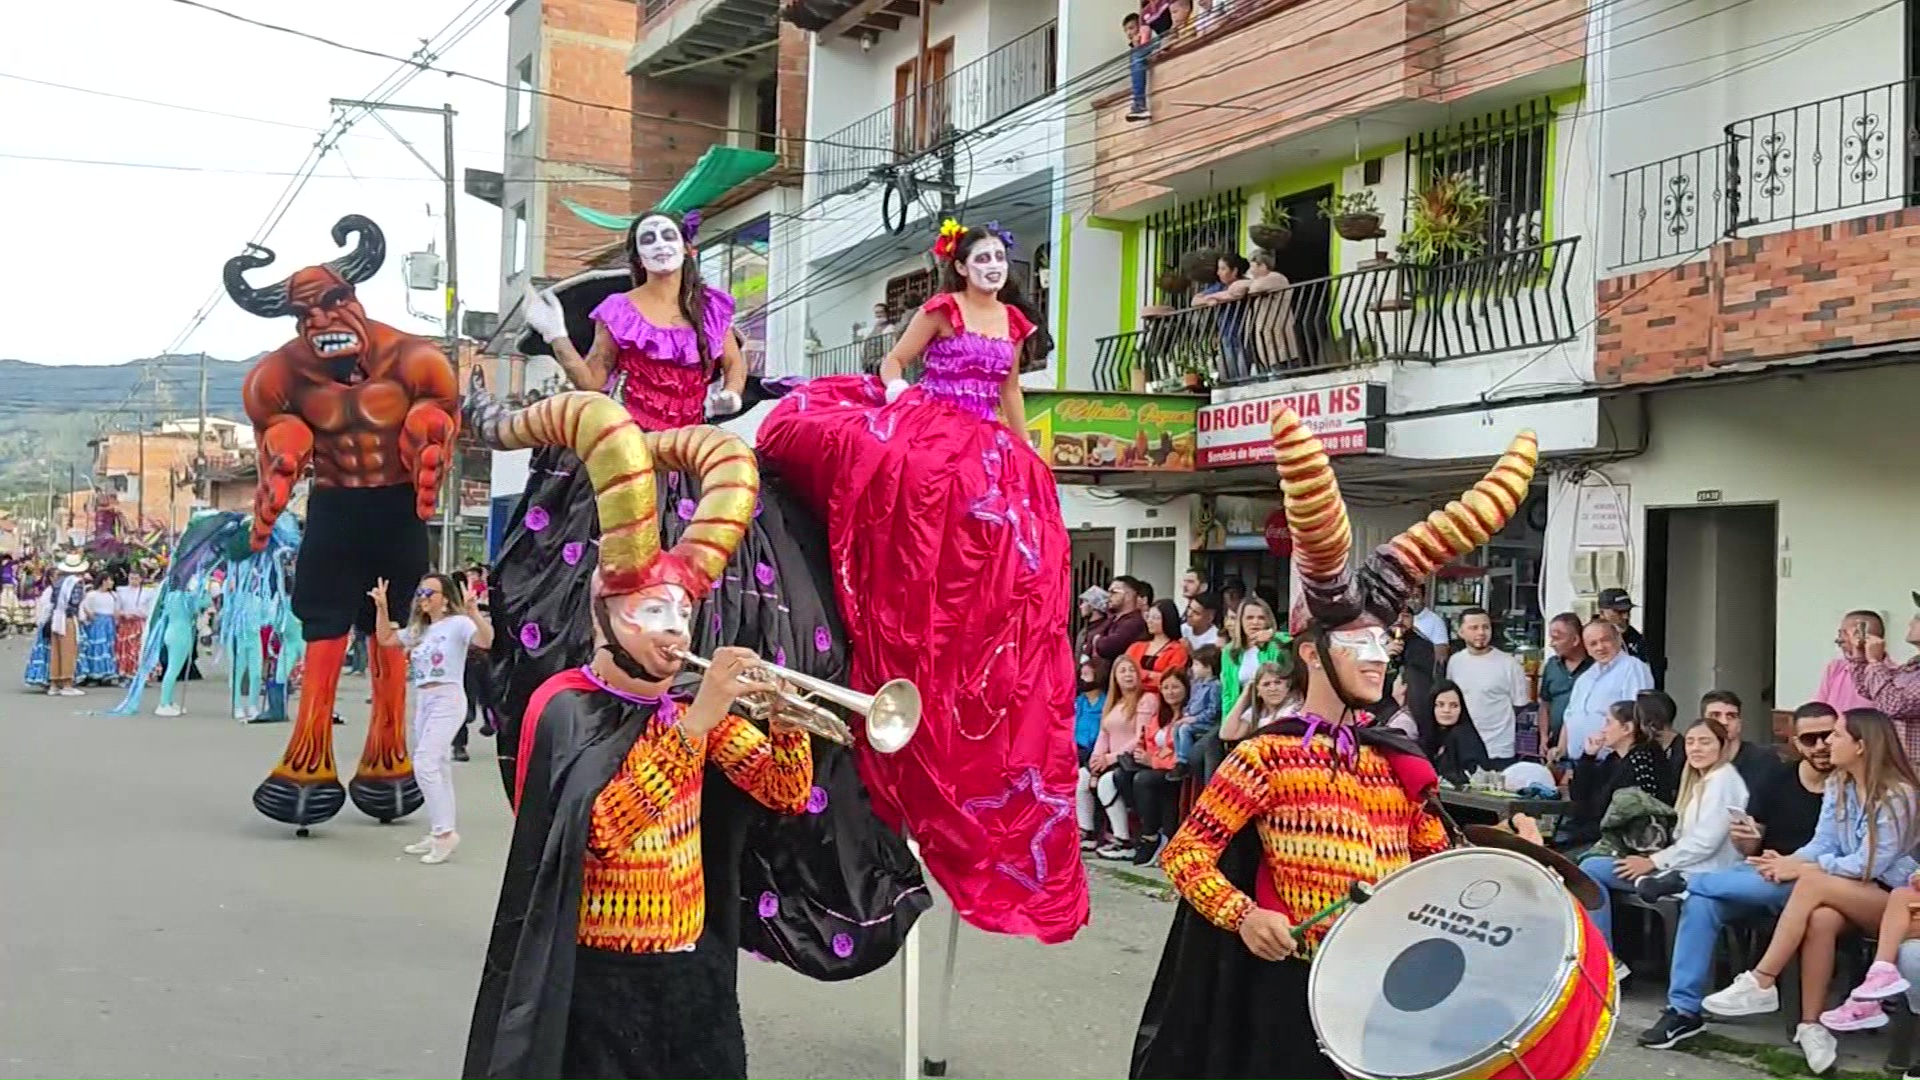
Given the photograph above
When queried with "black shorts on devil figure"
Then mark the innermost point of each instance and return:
(355, 537)
(655, 1016)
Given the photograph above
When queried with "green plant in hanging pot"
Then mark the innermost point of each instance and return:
(1355, 215)
(1201, 267)
(1275, 229)
(1446, 220)
(1171, 281)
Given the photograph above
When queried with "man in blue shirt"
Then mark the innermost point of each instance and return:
(1614, 676)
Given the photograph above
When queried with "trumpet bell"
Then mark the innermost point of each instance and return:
(893, 716)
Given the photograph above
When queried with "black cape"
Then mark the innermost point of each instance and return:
(847, 887)
(1215, 1009)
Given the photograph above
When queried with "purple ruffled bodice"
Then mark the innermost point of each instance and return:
(657, 374)
(672, 344)
(967, 370)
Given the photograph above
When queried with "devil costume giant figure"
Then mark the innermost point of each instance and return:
(372, 409)
(1310, 804)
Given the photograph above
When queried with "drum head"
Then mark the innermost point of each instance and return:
(1453, 957)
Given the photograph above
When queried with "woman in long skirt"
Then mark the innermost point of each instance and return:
(97, 665)
(131, 602)
(40, 660)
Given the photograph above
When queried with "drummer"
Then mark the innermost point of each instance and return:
(1236, 959)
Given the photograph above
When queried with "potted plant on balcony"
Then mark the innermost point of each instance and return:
(1275, 229)
(1356, 215)
(1201, 267)
(1446, 220)
(1193, 370)
(1172, 281)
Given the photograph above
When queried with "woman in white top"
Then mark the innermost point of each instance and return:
(436, 638)
(96, 665)
(1710, 792)
(132, 603)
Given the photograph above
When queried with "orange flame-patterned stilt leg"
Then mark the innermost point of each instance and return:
(383, 786)
(304, 789)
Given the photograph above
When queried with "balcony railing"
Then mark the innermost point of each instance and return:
(860, 356)
(969, 98)
(1837, 154)
(1671, 206)
(1508, 300)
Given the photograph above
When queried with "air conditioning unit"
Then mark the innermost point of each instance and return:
(426, 271)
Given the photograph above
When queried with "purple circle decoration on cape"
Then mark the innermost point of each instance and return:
(538, 518)
(822, 640)
(571, 553)
(769, 905)
(763, 573)
(530, 635)
(842, 945)
(817, 801)
(780, 656)
(685, 509)
(716, 623)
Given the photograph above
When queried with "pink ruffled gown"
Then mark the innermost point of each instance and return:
(951, 563)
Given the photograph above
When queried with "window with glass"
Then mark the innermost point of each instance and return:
(737, 262)
(520, 239)
(523, 95)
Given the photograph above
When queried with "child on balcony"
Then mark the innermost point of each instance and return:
(1141, 42)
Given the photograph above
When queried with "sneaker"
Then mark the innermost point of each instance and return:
(1148, 851)
(1819, 1046)
(1621, 972)
(170, 710)
(486, 731)
(1665, 883)
(53, 691)
(1854, 1015)
(440, 849)
(1673, 1028)
(460, 754)
(1140, 114)
(1114, 849)
(73, 691)
(1746, 997)
(1882, 982)
(420, 846)
(1089, 841)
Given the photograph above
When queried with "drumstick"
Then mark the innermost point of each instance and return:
(1357, 893)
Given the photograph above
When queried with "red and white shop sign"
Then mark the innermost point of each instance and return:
(1241, 432)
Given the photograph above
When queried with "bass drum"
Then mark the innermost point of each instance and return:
(1474, 962)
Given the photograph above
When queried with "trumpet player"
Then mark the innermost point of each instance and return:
(615, 941)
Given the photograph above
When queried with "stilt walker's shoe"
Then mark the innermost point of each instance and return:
(383, 787)
(304, 789)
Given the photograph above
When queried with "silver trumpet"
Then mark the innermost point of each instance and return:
(892, 712)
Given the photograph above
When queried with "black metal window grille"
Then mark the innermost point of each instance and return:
(1506, 153)
(1216, 223)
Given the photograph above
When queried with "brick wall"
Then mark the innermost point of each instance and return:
(673, 123)
(791, 112)
(1849, 284)
(585, 148)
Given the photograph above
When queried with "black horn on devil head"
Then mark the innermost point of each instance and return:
(361, 263)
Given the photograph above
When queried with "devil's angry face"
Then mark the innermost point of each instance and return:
(332, 323)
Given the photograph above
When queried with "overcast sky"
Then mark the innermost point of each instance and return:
(106, 263)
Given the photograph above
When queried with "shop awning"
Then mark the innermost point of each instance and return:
(719, 170)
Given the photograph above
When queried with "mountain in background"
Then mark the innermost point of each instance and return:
(49, 412)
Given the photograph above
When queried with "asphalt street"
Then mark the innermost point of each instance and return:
(153, 925)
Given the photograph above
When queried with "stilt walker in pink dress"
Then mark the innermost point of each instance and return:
(951, 562)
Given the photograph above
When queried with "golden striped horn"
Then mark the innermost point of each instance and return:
(1473, 519)
(619, 463)
(1316, 514)
(729, 489)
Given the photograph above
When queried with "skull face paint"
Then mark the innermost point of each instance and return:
(661, 609)
(658, 243)
(986, 265)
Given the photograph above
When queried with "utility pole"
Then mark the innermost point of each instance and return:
(199, 443)
(140, 498)
(450, 500)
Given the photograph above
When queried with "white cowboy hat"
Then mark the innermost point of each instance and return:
(71, 563)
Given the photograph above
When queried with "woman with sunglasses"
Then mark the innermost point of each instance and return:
(437, 638)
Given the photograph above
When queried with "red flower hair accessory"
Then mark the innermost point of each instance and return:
(948, 241)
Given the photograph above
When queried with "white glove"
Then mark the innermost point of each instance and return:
(545, 316)
(723, 402)
(895, 388)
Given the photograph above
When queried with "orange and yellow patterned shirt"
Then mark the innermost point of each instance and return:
(1321, 828)
(644, 890)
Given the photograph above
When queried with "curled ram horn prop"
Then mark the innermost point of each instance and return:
(1323, 536)
(622, 459)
